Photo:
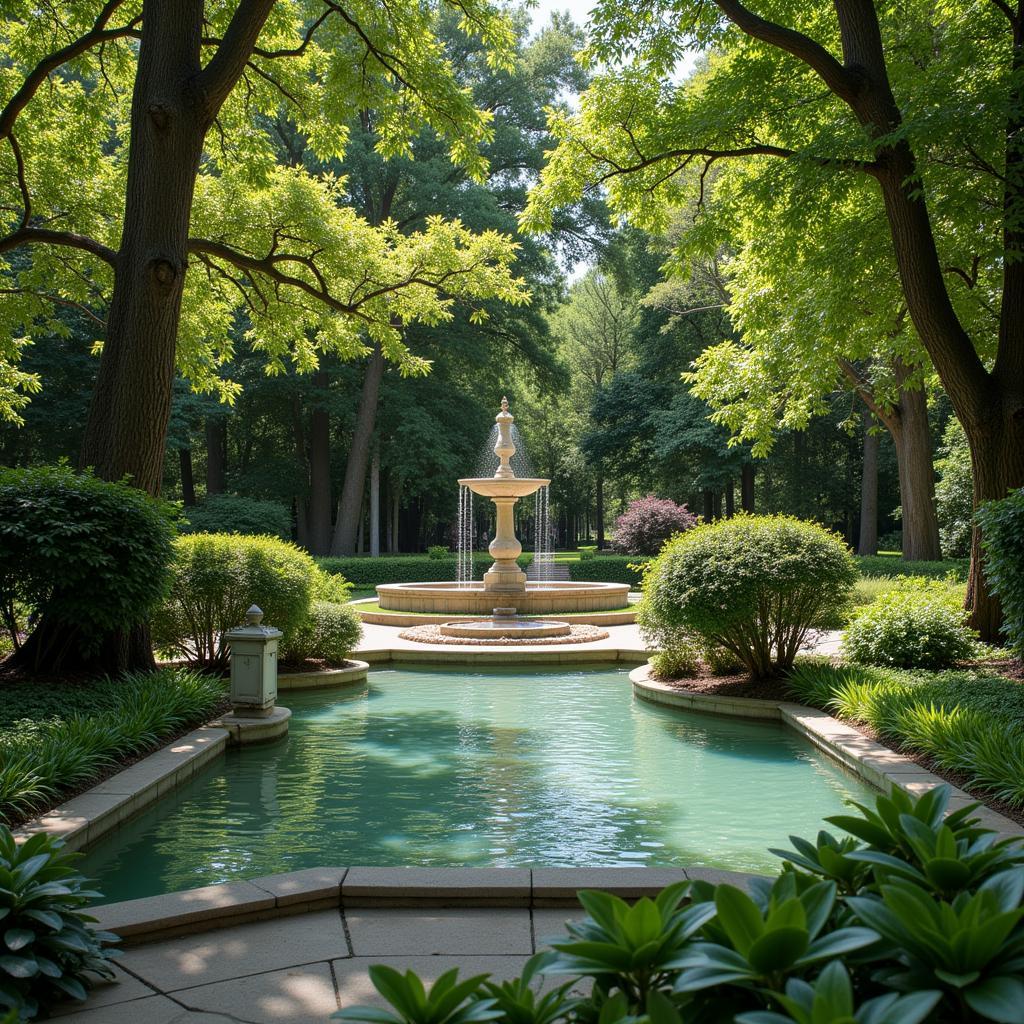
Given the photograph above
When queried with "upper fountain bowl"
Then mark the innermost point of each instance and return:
(503, 487)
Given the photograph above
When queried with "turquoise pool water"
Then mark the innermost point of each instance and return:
(432, 766)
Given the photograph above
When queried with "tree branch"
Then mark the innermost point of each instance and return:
(219, 76)
(57, 300)
(843, 81)
(99, 33)
(69, 239)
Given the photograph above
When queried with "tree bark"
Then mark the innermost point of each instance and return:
(350, 504)
(868, 541)
(216, 454)
(375, 502)
(912, 437)
(730, 500)
(319, 508)
(747, 487)
(709, 504)
(188, 484)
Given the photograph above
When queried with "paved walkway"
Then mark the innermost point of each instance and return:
(300, 970)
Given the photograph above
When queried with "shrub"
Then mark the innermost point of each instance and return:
(49, 951)
(912, 915)
(610, 569)
(917, 623)
(216, 577)
(329, 633)
(962, 721)
(891, 541)
(90, 556)
(231, 513)
(1002, 530)
(755, 586)
(954, 492)
(438, 552)
(648, 522)
(587, 551)
(40, 760)
(887, 566)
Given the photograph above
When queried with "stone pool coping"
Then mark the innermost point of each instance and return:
(871, 761)
(384, 617)
(155, 918)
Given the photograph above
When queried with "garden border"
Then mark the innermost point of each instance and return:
(871, 761)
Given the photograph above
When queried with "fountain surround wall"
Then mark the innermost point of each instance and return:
(505, 582)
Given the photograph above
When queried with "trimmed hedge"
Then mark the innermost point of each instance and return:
(882, 565)
(609, 569)
(231, 513)
(365, 573)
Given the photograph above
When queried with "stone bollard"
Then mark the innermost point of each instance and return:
(253, 717)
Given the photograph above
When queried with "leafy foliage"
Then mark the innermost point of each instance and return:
(915, 914)
(329, 633)
(917, 623)
(965, 722)
(1002, 527)
(48, 951)
(610, 569)
(753, 586)
(89, 555)
(648, 522)
(50, 750)
(954, 492)
(232, 513)
(882, 565)
(215, 579)
(366, 573)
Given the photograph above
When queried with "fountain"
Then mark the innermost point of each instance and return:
(504, 585)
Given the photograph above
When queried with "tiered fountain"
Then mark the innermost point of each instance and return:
(504, 587)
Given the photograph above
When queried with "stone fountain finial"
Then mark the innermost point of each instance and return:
(504, 448)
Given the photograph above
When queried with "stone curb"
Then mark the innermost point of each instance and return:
(353, 671)
(386, 618)
(574, 654)
(876, 764)
(155, 918)
(84, 818)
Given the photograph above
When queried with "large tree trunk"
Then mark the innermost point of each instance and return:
(912, 437)
(747, 487)
(318, 517)
(730, 500)
(174, 100)
(188, 484)
(347, 525)
(216, 454)
(868, 542)
(375, 502)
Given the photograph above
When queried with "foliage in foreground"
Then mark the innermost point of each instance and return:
(41, 759)
(49, 952)
(906, 918)
(89, 556)
(916, 623)
(1002, 530)
(755, 586)
(963, 722)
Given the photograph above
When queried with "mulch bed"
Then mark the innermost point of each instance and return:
(738, 685)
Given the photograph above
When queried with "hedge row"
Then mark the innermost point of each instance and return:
(882, 565)
(365, 573)
(608, 569)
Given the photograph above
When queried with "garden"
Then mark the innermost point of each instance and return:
(466, 459)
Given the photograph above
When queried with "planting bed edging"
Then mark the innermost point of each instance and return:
(353, 671)
(222, 906)
(874, 763)
(84, 818)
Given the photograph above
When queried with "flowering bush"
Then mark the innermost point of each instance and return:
(648, 523)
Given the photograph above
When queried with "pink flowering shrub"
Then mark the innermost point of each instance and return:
(648, 523)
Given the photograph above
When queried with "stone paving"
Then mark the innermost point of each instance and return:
(299, 970)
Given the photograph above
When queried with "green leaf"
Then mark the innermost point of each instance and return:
(777, 950)
(1000, 999)
(739, 916)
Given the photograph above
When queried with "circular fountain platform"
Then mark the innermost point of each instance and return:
(487, 633)
(473, 599)
(505, 625)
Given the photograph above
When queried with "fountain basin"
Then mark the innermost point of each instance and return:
(513, 628)
(503, 487)
(537, 599)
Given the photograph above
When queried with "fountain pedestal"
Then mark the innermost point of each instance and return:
(504, 489)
